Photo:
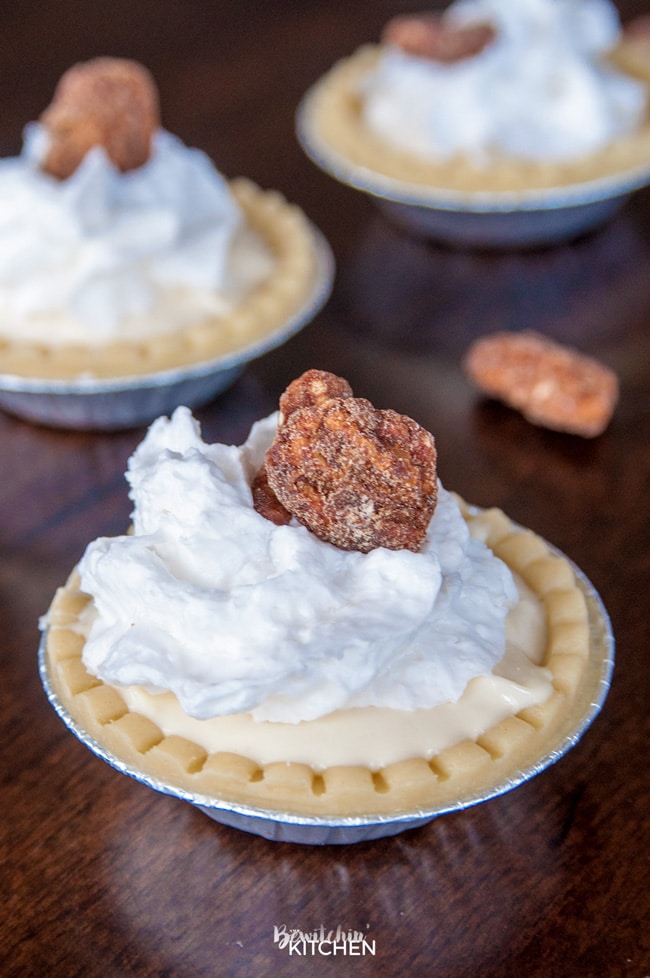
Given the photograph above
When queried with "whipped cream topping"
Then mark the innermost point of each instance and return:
(540, 91)
(374, 737)
(233, 614)
(106, 255)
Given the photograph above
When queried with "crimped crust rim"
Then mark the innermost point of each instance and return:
(332, 110)
(457, 776)
(291, 239)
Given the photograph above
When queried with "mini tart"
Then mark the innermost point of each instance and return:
(457, 775)
(334, 114)
(285, 230)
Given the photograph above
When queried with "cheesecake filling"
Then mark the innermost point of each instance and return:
(374, 736)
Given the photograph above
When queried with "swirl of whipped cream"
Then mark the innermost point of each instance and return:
(106, 255)
(233, 614)
(539, 91)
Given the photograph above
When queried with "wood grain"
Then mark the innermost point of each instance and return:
(101, 877)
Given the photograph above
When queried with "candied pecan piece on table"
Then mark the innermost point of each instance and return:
(429, 36)
(551, 385)
(357, 477)
(109, 102)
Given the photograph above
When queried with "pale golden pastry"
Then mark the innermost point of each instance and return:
(573, 655)
(632, 53)
(335, 119)
(125, 253)
(290, 239)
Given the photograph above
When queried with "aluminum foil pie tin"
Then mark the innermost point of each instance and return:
(123, 402)
(281, 826)
(480, 219)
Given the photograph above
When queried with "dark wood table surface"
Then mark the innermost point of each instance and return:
(100, 877)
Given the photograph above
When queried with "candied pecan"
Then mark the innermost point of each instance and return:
(357, 477)
(266, 502)
(312, 388)
(430, 36)
(109, 102)
(552, 385)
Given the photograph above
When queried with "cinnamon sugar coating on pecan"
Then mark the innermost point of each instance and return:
(266, 503)
(312, 388)
(109, 102)
(429, 36)
(551, 385)
(357, 477)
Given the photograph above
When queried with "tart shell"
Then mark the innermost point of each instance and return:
(293, 243)
(292, 802)
(512, 203)
(336, 107)
(121, 385)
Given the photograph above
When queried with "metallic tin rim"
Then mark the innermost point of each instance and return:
(298, 828)
(91, 386)
(437, 198)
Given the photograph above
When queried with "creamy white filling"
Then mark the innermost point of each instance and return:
(540, 91)
(106, 255)
(233, 614)
(375, 737)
